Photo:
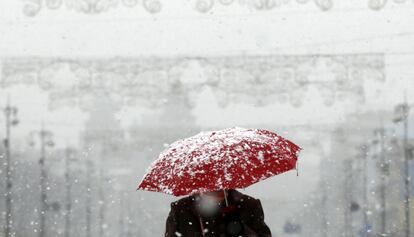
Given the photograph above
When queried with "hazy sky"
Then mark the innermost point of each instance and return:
(350, 27)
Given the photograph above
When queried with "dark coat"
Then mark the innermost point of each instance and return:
(245, 219)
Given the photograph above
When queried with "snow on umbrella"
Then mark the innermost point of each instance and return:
(225, 159)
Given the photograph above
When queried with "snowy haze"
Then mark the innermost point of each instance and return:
(178, 32)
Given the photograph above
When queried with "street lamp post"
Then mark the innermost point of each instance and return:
(348, 197)
(89, 171)
(384, 169)
(69, 152)
(10, 113)
(45, 139)
(102, 204)
(121, 214)
(401, 114)
(123, 227)
(364, 150)
(324, 217)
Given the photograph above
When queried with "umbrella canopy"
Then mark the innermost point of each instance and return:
(225, 159)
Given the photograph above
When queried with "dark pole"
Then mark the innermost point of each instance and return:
(68, 193)
(45, 138)
(9, 112)
(128, 225)
(365, 189)
(406, 171)
(383, 168)
(121, 214)
(402, 111)
(347, 196)
(101, 202)
(43, 195)
(89, 171)
(8, 174)
(324, 209)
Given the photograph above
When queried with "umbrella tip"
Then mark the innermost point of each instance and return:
(297, 168)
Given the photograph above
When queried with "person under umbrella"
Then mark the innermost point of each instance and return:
(217, 213)
(208, 168)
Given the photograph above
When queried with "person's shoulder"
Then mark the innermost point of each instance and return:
(182, 202)
(241, 197)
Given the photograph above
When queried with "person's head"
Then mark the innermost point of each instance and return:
(208, 203)
(217, 195)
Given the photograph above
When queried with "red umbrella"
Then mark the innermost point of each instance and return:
(226, 159)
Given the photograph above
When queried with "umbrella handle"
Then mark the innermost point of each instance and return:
(297, 168)
(225, 197)
(201, 226)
